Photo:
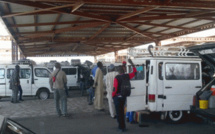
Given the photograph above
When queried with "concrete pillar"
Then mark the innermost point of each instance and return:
(158, 43)
(21, 56)
(95, 60)
(16, 54)
(116, 56)
(14, 51)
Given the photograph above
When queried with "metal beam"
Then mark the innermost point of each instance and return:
(37, 11)
(66, 29)
(136, 13)
(201, 4)
(135, 30)
(100, 31)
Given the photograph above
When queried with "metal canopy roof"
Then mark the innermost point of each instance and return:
(94, 27)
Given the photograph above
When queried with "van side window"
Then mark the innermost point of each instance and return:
(2, 73)
(69, 71)
(182, 71)
(140, 72)
(160, 69)
(9, 73)
(24, 73)
(42, 72)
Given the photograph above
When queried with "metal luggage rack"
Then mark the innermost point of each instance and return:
(22, 62)
(161, 51)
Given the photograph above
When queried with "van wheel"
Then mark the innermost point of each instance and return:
(175, 116)
(43, 94)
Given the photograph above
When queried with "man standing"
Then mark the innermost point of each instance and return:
(14, 84)
(57, 81)
(109, 87)
(20, 93)
(119, 100)
(98, 85)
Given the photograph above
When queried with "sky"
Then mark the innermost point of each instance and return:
(3, 29)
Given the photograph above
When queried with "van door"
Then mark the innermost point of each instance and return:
(72, 76)
(41, 79)
(137, 99)
(182, 80)
(159, 85)
(2, 82)
(25, 81)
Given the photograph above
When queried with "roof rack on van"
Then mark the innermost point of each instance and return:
(22, 62)
(158, 51)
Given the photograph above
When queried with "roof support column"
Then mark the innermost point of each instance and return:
(95, 60)
(14, 51)
(158, 43)
(21, 55)
(116, 56)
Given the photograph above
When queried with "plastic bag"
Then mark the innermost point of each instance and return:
(205, 95)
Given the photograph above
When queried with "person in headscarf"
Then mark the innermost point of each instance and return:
(98, 85)
(14, 84)
(109, 87)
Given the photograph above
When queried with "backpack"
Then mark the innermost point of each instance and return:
(125, 86)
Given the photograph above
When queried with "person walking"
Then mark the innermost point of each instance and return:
(14, 84)
(57, 81)
(109, 88)
(98, 85)
(119, 100)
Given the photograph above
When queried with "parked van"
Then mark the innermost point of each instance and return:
(33, 79)
(72, 75)
(165, 84)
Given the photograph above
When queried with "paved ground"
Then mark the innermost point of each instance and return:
(40, 117)
(33, 107)
(101, 123)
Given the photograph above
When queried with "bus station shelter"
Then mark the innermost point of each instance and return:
(94, 27)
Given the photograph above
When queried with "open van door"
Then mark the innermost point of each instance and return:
(137, 100)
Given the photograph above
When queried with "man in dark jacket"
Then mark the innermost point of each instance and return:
(119, 100)
(14, 84)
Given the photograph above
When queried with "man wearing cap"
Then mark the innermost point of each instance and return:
(109, 87)
(57, 81)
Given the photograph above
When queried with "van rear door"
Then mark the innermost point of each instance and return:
(182, 79)
(137, 100)
(2, 81)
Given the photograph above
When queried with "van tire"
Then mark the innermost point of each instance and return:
(175, 116)
(43, 94)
